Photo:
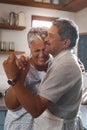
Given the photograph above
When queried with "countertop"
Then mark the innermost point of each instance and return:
(2, 104)
(3, 88)
(3, 83)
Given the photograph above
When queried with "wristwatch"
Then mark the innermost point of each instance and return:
(12, 82)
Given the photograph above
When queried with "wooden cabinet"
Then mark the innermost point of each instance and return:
(2, 118)
(7, 26)
(72, 6)
(3, 111)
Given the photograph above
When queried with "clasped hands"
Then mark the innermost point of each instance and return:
(16, 68)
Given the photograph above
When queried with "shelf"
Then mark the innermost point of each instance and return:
(83, 33)
(7, 26)
(45, 5)
(10, 52)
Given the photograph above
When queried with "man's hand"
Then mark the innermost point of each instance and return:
(24, 66)
(22, 62)
(10, 67)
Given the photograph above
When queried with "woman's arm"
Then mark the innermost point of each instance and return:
(10, 99)
(32, 103)
(10, 96)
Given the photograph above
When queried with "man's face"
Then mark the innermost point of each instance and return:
(54, 43)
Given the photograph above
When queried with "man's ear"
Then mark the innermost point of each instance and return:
(67, 43)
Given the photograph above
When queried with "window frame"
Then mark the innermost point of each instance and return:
(42, 18)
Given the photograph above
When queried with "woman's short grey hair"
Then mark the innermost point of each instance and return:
(35, 33)
(67, 29)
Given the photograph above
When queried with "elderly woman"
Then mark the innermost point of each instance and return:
(18, 118)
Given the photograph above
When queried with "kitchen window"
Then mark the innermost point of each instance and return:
(41, 21)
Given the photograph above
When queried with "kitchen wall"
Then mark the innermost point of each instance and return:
(19, 37)
(81, 20)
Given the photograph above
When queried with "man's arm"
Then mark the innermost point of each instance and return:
(32, 103)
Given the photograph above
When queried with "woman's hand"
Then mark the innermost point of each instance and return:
(10, 67)
(16, 68)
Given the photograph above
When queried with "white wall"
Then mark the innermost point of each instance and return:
(81, 20)
(19, 37)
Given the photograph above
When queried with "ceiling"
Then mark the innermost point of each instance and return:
(71, 6)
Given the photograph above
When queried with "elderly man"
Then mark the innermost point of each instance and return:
(56, 105)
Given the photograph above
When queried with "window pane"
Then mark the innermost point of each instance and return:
(39, 23)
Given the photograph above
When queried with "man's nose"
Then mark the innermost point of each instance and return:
(46, 42)
(46, 39)
(41, 54)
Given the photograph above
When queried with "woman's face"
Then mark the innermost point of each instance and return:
(38, 52)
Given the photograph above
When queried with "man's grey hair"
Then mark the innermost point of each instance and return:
(67, 29)
(34, 33)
